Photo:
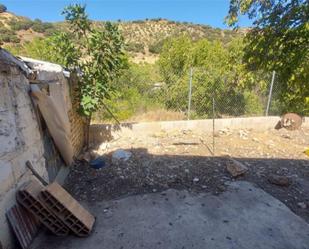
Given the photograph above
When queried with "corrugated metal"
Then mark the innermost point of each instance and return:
(24, 225)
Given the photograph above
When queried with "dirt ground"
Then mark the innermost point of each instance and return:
(184, 160)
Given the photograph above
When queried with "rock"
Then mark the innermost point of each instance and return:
(236, 168)
(94, 154)
(225, 131)
(195, 180)
(302, 205)
(86, 156)
(282, 181)
(103, 146)
(286, 136)
(243, 134)
(121, 155)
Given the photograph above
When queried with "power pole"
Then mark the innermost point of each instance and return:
(270, 92)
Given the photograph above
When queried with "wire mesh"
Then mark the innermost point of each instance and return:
(232, 99)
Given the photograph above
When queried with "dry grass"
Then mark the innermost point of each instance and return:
(158, 115)
(144, 58)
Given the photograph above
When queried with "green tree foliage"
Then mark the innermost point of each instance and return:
(134, 92)
(279, 41)
(218, 72)
(175, 59)
(38, 48)
(98, 54)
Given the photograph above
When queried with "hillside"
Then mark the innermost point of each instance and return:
(144, 38)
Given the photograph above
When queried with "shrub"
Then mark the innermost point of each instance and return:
(137, 21)
(2, 8)
(41, 27)
(135, 47)
(9, 38)
(8, 35)
(156, 47)
(23, 24)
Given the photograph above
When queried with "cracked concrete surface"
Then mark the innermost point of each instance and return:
(242, 217)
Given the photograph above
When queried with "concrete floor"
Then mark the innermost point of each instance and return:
(242, 217)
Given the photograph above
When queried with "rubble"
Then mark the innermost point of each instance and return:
(278, 180)
(195, 180)
(243, 134)
(302, 205)
(236, 168)
(225, 131)
(156, 164)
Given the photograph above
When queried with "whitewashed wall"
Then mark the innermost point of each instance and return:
(20, 140)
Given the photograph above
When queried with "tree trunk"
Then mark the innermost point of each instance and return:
(88, 131)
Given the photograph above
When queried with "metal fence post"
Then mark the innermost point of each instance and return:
(190, 92)
(213, 125)
(270, 93)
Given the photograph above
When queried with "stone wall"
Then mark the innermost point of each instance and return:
(21, 140)
(23, 133)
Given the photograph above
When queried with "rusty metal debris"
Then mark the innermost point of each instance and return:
(24, 225)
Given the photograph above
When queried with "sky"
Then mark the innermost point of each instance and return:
(210, 12)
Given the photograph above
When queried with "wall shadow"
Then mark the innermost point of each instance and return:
(147, 173)
(104, 132)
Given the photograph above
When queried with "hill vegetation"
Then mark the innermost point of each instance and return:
(232, 68)
(143, 38)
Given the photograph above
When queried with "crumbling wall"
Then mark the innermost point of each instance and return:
(23, 133)
(20, 141)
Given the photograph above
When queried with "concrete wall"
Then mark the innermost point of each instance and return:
(101, 133)
(20, 141)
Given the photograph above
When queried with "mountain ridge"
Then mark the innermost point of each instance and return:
(144, 38)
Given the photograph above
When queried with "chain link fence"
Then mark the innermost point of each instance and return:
(201, 95)
(197, 94)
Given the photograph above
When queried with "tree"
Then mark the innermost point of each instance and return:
(279, 40)
(95, 55)
(219, 72)
(2, 8)
(38, 48)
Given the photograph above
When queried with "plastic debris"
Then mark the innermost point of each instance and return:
(121, 155)
(97, 163)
